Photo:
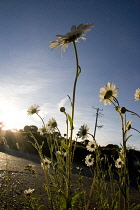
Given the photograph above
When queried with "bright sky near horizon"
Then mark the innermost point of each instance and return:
(33, 74)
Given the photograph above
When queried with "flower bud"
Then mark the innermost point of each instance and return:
(123, 110)
(62, 109)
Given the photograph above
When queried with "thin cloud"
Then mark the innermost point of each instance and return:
(62, 102)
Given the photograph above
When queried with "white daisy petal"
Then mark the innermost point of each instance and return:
(51, 126)
(83, 132)
(75, 34)
(33, 109)
(137, 94)
(108, 93)
(91, 146)
(89, 160)
(119, 162)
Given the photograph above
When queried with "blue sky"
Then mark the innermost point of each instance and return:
(33, 74)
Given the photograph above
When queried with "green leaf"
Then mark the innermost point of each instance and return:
(79, 71)
(114, 205)
(70, 121)
(33, 144)
(75, 198)
(63, 145)
(39, 207)
(69, 98)
(128, 137)
(133, 207)
(62, 200)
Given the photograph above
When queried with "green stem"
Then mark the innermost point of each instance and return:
(69, 162)
(125, 167)
(112, 102)
(41, 120)
(133, 113)
(135, 129)
(90, 194)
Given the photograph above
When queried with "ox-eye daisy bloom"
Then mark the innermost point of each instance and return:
(29, 191)
(89, 160)
(83, 132)
(42, 130)
(51, 126)
(108, 93)
(61, 153)
(52, 123)
(91, 146)
(33, 109)
(137, 94)
(46, 163)
(73, 36)
(119, 162)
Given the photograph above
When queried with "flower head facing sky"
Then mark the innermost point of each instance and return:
(137, 94)
(83, 132)
(51, 126)
(74, 35)
(107, 93)
(33, 109)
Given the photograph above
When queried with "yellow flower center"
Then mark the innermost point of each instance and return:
(108, 94)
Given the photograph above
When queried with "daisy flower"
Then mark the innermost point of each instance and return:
(51, 126)
(119, 162)
(33, 109)
(61, 153)
(29, 191)
(83, 132)
(89, 160)
(42, 130)
(91, 146)
(52, 123)
(46, 162)
(137, 94)
(74, 35)
(107, 93)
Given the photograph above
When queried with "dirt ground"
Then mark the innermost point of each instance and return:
(12, 192)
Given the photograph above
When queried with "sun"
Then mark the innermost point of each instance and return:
(9, 114)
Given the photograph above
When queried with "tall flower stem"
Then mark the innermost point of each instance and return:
(125, 174)
(69, 161)
(41, 120)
